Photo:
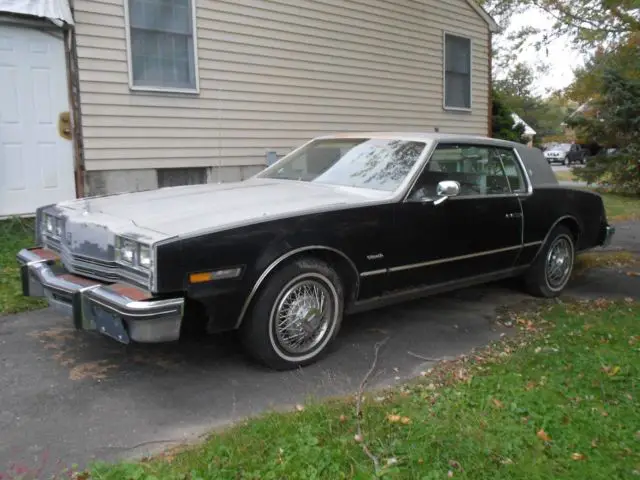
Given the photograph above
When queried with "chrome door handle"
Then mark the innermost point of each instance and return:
(513, 215)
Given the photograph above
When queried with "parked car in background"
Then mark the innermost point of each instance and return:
(344, 223)
(566, 154)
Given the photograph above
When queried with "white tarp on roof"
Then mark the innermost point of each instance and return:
(54, 10)
(527, 129)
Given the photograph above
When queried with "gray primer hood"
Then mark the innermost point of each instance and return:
(186, 210)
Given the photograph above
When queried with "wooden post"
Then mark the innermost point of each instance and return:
(490, 83)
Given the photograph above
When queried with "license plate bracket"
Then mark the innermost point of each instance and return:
(110, 324)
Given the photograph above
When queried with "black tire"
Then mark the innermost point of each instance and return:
(566, 161)
(260, 335)
(536, 280)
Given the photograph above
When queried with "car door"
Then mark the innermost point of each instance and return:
(474, 234)
(574, 153)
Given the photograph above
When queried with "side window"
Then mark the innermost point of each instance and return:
(478, 169)
(513, 170)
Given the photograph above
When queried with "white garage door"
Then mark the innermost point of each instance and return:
(36, 164)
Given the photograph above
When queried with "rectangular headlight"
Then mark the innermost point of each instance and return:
(126, 251)
(52, 226)
(144, 256)
(134, 254)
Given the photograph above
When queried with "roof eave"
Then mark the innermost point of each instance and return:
(493, 25)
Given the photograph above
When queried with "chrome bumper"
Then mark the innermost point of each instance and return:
(122, 312)
(608, 235)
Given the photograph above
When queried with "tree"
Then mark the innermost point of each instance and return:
(502, 122)
(589, 23)
(613, 119)
(516, 91)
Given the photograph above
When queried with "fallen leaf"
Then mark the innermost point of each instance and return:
(594, 443)
(633, 274)
(343, 419)
(498, 403)
(530, 386)
(358, 438)
(450, 474)
(393, 418)
(392, 461)
(542, 435)
(577, 456)
(420, 461)
(614, 371)
(300, 408)
(455, 464)
(405, 420)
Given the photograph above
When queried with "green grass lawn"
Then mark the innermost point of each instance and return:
(558, 400)
(14, 235)
(621, 207)
(565, 176)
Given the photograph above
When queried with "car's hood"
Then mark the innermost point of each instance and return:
(188, 209)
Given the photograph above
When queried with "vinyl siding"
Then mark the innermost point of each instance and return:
(274, 73)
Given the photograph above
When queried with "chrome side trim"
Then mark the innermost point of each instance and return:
(526, 175)
(374, 272)
(400, 268)
(452, 259)
(281, 259)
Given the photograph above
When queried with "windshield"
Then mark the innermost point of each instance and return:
(563, 147)
(379, 164)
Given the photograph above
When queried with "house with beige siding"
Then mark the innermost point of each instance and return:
(169, 92)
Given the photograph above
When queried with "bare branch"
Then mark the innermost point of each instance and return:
(365, 448)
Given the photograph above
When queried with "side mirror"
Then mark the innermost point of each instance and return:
(446, 189)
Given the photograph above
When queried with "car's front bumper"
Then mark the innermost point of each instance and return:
(122, 312)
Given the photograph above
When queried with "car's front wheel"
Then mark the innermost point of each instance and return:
(551, 270)
(565, 162)
(295, 316)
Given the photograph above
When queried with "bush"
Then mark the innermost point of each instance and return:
(619, 173)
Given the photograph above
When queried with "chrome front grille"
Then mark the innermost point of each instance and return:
(94, 268)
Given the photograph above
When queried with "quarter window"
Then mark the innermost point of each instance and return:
(457, 74)
(480, 171)
(162, 46)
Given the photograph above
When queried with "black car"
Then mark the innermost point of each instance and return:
(344, 223)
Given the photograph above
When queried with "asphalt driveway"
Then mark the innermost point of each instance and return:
(71, 397)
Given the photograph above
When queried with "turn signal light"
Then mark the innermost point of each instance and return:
(203, 277)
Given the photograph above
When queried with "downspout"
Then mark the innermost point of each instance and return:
(490, 100)
(73, 85)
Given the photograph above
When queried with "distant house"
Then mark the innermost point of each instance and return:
(104, 96)
(529, 132)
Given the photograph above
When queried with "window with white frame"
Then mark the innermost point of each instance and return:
(457, 73)
(161, 34)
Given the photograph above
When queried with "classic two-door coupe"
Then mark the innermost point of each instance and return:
(342, 224)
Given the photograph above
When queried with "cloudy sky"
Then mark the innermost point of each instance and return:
(561, 58)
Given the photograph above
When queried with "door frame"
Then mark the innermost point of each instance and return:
(67, 36)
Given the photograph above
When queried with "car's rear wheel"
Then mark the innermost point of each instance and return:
(295, 316)
(551, 270)
(565, 162)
